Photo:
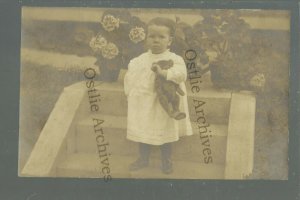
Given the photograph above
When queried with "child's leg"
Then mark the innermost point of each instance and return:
(144, 150)
(143, 159)
(166, 153)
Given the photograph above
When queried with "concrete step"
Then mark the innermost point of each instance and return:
(89, 166)
(216, 107)
(188, 148)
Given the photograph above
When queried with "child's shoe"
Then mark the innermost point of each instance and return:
(138, 164)
(167, 167)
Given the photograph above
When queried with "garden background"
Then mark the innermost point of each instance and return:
(56, 49)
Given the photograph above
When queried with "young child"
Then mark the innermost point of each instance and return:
(148, 123)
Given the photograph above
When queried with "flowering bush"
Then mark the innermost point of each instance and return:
(110, 51)
(110, 23)
(119, 39)
(137, 34)
(223, 33)
(97, 43)
(258, 81)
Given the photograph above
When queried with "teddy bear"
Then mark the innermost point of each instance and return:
(167, 91)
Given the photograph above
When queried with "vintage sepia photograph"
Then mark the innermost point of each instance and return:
(154, 93)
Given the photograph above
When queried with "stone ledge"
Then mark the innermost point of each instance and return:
(88, 166)
(241, 132)
(207, 93)
(120, 122)
(48, 148)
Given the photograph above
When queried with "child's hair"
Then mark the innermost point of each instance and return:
(161, 21)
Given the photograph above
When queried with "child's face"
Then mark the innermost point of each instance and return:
(158, 38)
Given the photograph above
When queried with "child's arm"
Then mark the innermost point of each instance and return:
(128, 79)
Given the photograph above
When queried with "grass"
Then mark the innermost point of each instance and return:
(41, 86)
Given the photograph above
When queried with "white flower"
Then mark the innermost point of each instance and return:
(137, 34)
(258, 80)
(110, 51)
(110, 23)
(97, 43)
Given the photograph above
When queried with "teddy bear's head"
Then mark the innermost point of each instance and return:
(164, 64)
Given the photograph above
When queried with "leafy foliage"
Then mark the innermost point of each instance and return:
(237, 61)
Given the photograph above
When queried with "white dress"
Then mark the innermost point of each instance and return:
(147, 121)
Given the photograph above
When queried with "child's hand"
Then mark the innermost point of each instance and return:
(155, 67)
